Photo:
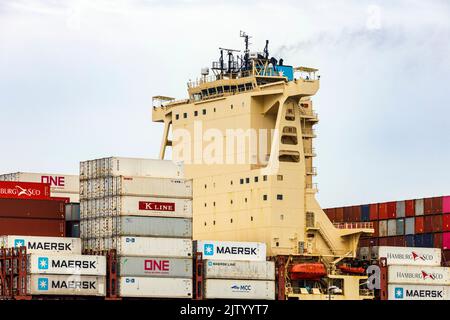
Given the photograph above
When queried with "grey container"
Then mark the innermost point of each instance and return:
(400, 227)
(419, 207)
(374, 253)
(73, 212)
(400, 209)
(392, 228)
(364, 253)
(383, 228)
(409, 226)
(155, 267)
(150, 227)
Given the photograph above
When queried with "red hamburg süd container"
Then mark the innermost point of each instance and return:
(446, 222)
(356, 214)
(36, 209)
(348, 212)
(410, 208)
(24, 190)
(419, 225)
(446, 241)
(437, 223)
(382, 211)
(428, 224)
(400, 241)
(437, 241)
(376, 228)
(32, 227)
(437, 205)
(428, 206)
(364, 242)
(339, 215)
(382, 242)
(392, 210)
(446, 204)
(65, 200)
(391, 241)
(373, 212)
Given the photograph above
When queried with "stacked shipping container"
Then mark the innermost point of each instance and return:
(56, 266)
(143, 209)
(61, 185)
(27, 208)
(411, 223)
(236, 270)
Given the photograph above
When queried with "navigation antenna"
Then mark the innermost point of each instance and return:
(244, 35)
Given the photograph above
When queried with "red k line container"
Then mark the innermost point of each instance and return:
(410, 208)
(392, 210)
(24, 190)
(32, 227)
(446, 204)
(428, 206)
(446, 222)
(37, 209)
(373, 212)
(437, 205)
(419, 225)
(382, 211)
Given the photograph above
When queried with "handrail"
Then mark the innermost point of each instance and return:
(354, 225)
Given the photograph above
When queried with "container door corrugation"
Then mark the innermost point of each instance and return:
(155, 267)
(239, 289)
(66, 285)
(145, 287)
(67, 264)
(254, 270)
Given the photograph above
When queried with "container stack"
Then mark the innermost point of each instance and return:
(408, 223)
(56, 266)
(28, 209)
(142, 209)
(236, 270)
(73, 220)
(415, 274)
(61, 185)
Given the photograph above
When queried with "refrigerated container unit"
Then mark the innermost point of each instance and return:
(418, 275)
(43, 244)
(410, 256)
(66, 285)
(66, 264)
(417, 292)
(248, 270)
(146, 287)
(239, 289)
(229, 250)
(155, 267)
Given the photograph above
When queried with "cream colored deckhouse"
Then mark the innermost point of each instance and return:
(246, 137)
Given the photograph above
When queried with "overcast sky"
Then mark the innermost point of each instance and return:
(77, 77)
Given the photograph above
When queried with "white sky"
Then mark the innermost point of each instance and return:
(77, 77)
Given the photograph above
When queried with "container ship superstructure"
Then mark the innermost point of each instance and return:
(245, 134)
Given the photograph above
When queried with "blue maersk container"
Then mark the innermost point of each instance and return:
(418, 241)
(365, 213)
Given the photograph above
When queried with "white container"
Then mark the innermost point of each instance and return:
(251, 270)
(419, 275)
(417, 292)
(152, 207)
(43, 244)
(136, 206)
(136, 186)
(155, 267)
(411, 256)
(64, 285)
(67, 264)
(226, 250)
(115, 166)
(60, 183)
(146, 227)
(151, 247)
(239, 289)
(74, 197)
(144, 287)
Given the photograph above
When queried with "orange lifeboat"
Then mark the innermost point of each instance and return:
(352, 270)
(308, 271)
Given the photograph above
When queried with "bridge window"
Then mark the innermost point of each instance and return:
(264, 178)
(279, 197)
(185, 115)
(242, 181)
(256, 179)
(265, 197)
(247, 180)
(204, 111)
(177, 116)
(280, 177)
(195, 113)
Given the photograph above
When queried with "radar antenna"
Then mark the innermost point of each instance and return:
(246, 37)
